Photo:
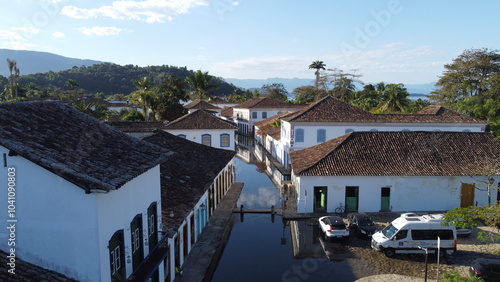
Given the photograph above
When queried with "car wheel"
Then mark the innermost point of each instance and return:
(389, 252)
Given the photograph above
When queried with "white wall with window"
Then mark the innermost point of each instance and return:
(80, 225)
(217, 138)
(407, 193)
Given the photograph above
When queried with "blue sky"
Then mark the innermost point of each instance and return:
(397, 41)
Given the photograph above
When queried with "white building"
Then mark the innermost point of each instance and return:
(251, 111)
(397, 171)
(330, 118)
(204, 128)
(85, 197)
(194, 181)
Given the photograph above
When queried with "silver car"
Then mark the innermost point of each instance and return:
(334, 227)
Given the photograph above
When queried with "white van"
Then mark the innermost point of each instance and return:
(415, 234)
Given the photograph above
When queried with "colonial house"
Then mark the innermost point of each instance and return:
(397, 171)
(330, 118)
(83, 196)
(204, 128)
(251, 111)
(203, 105)
(193, 182)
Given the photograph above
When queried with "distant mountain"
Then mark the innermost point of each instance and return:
(292, 83)
(30, 62)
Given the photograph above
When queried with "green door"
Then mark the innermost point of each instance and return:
(320, 198)
(385, 199)
(351, 198)
(152, 228)
(137, 243)
(117, 256)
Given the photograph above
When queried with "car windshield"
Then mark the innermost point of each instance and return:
(389, 231)
(366, 222)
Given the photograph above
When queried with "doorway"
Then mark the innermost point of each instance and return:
(320, 199)
(385, 199)
(351, 198)
(467, 195)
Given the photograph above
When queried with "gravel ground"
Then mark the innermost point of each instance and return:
(375, 266)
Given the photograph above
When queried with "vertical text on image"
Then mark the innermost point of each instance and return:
(11, 219)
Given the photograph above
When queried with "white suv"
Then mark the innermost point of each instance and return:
(334, 227)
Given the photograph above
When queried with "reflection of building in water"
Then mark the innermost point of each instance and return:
(305, 242)
(245, 148)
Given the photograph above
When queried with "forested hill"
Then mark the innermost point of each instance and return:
(34, 62)
(113, 79)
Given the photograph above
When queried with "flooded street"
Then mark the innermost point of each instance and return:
(263, 248)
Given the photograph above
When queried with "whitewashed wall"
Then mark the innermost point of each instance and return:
(63, 229)
(196, 136)
(117, 209)
(412, 193)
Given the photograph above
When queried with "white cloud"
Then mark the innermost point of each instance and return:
(30, 30)
(149, 10)
(58, 34)
(101, 30)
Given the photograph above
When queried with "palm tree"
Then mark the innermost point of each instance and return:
(142, 96)
(201, 84)
(396, 98)
(14, 74)
(317, 65)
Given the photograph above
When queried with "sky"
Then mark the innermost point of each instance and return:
(394, 41)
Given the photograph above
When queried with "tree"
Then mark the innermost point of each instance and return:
(305, 94)
(134, 116)
(343, 83)
(317, 65)
(201, 84)
(276, 91)
(395, 99)
(14, 74)
(471, 86)
(468, 75)
(168, 95)
(142, 96)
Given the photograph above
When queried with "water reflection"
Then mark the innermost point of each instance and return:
(261, 249)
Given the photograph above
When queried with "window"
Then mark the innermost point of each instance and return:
(430, 234)
(224, 140)
(182, 136)
(299, 135)
(373, 130)
(349, 130)
(116, 256)
(254, 115)
(264, 115)
(467, 130)
(206, 139)
(321, 136)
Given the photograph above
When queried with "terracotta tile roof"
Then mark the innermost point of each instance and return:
(187, 175)
(330, 109)
(200, 119)
(265, 103)
(399, 153)
(430, 114)
(227, 112)
(26, 271)
(75, 146)
(137, 126)
(201, 104)
(265, 126)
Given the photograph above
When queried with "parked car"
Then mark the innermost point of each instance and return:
(334, 227)
(362, 224)
(486, 269)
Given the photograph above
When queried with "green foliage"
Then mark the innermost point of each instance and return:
(471, 85)
(471, 217)
(111, 78)
(276, 91)
(134, 116)
(202, 84)
(453, 276)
